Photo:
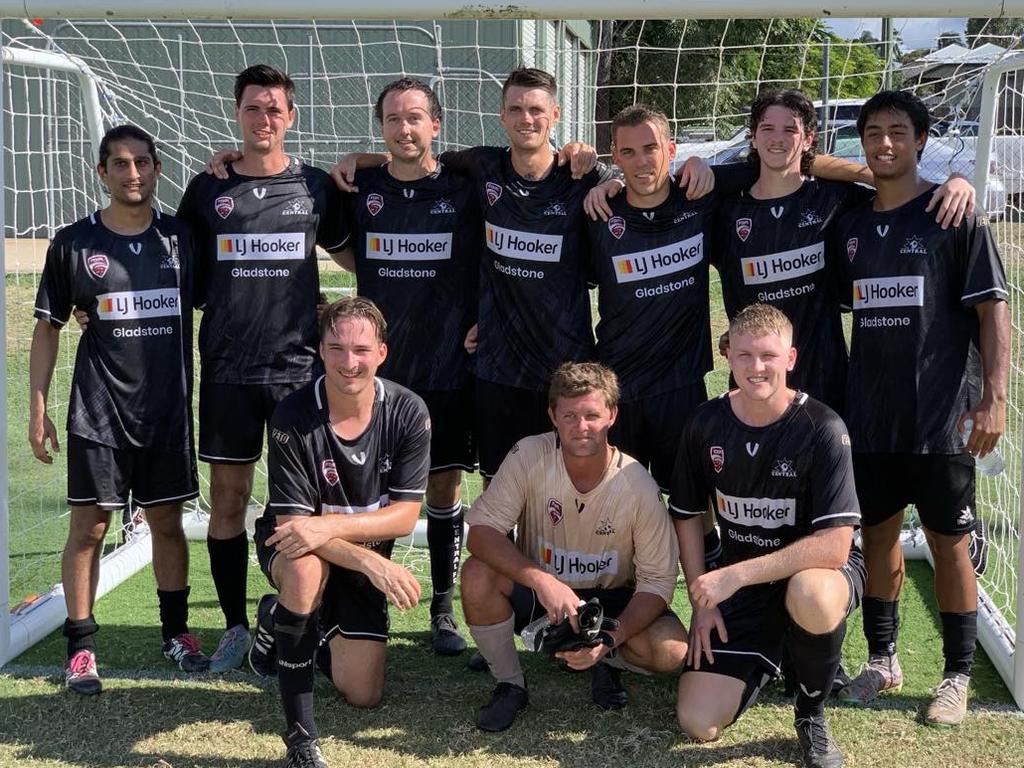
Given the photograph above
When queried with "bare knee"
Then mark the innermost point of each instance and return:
(300, 581)
(230, 489)
(816, 599)
(479, 582)
(88, 528)
(443, 488)
(696, 724)
(165, 522)
(363, 698)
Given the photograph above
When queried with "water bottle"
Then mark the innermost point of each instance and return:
(992, 463)
(533, 633)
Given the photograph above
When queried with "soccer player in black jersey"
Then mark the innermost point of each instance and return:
(348, 462)
(129, 268)
(258, 287)
(773, 239)
(416, 231)
(777, 466)
(930, 349)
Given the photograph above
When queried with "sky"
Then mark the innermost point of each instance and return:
(916, 33)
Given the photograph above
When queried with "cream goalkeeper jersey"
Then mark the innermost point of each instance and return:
(617, 535)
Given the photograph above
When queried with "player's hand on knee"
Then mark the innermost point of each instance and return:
(957, 196)
(82, 318)
(344, 173)
(595, 204)
(39, 431)
(581, 158)
(218, 164)
(714, 587)
(471, 339)
(698, 178)
(300, 536)
(584, 658)
(398, 584)
(705, 621)
(559, 601)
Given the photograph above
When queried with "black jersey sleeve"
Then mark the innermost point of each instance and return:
(731, 178)
(333, 232)
(292, 487)
(854, 195)
(983, 276)
(463, 161)
(410, 466)
(188, 212)
(690, 492)
(833, 496)
(53, 299)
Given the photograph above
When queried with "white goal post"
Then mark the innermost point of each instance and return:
(66, 81)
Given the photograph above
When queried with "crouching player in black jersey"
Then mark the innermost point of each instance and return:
(930, 349)
(348, 462)
(129, 269)
(777, 465)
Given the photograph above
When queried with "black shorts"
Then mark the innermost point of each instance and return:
(757, 622)
(527, 608)
(233, 419)
(504, 416)
(648, 429)
(104, 476)
(452, 428)
(351, 606)
(940, 486)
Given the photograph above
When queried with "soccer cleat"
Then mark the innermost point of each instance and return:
(840, 681)
(880, 674)
(231, 650)
(818, 748)
(498, 714)
(606, 687)
(444, 636)
(81, 675)
(949, 703)
(263, 651)
(477, 662)
(303, 751)
(184, 651)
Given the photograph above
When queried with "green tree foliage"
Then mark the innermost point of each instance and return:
(1004, 31)
(708, 71)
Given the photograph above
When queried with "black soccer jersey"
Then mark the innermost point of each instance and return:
(257, 276)
(781, 252)
(133, 369)
(534, 311)
(312, 471)
(651, 268)
(915, 367)
(416, 252)
(769, 485)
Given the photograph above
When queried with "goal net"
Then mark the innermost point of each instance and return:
(66, 81)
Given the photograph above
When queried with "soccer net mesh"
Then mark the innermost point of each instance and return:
(65, 82)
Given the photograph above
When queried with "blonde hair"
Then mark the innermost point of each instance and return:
(761, 320)
(578, 379)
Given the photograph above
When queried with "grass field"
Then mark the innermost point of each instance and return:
(152, 716)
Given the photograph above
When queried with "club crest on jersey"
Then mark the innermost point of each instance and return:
(98, 264)
(555, 209)
(493, 192)
(851, 248)
(384, 464)
(442, 206)
(617, 226)
(777, 211)
(296, 207)
(170, 258)
(809, 219)
(717, 457)
(605, 528)
(224, 205)
(684, 216)
(555, 511)
(743, 229)
(783, 468)
(882, 229)
(374, 203)
(914, 244)
(329, 471)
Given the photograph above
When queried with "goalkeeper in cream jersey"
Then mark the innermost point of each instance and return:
(590, 524)
(257, 282)
(129, 269)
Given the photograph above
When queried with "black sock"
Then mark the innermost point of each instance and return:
(959, 638)
(814, 660)
(712, 550)
(81, 635)
(881, 625)
(173, 612)
(229, 566)
(444, 538)
(297, 639)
